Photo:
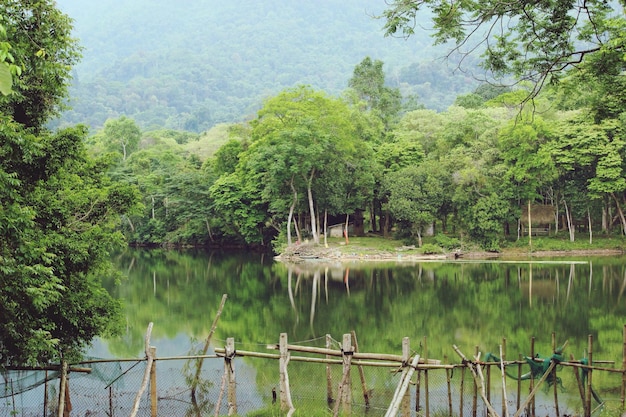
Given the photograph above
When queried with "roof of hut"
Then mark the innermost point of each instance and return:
(539, 214)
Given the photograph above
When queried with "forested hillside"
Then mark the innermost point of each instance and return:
(191, 64)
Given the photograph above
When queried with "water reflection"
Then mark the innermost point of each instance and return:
(461, 303)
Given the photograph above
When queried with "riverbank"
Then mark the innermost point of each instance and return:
(378, 249)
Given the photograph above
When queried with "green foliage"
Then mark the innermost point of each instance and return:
(58, 231)
(539, 45)
(431, 249)
(447, 242)
(44, 51)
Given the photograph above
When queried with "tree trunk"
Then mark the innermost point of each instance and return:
(309, 191)
(620, 212)
(569, 222)
(208, 229)
(589, 224)
(291, 209)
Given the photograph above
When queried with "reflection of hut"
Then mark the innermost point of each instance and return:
(541, 219)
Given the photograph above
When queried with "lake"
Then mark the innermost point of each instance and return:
(475, 305)
(466, 303)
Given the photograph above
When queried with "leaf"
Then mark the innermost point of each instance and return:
(6, 81)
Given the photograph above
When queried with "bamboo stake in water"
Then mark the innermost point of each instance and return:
(207, 342)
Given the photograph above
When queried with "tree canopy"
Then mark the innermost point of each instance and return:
(533, 41)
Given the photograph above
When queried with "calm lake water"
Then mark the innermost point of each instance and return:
(468, 303)
(475, 305)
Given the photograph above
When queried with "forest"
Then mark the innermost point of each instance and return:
(366, 155)
(370, 157)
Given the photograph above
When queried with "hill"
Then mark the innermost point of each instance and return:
(192, 64)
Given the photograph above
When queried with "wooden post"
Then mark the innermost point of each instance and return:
(366, 394)
(285, 390)
(344, 395)
(153, 386)
(448, 380)
(478, 378)
(405, 405)
(556, 386)
(418, 384)
(329, 382)
(505, 408)
(426, 393)
(590, 359)
(579, 383)
(462, 395)
(519, 383)
(402, 387)
(531, 396)
(623, 366)
(230, 371)
(475, 400)
(532, 377)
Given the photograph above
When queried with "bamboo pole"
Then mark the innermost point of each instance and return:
(218, 404)
(405, 403)
(356, 355)
(556, 387)
(329, 382)
(519, 384)
(230, 371)
(531, 396)
(477, 374)
(285, 390)
(505, 402)
(426, 390)
(475, 396)
(418, 385)
(579, 383)
(344, 394)
(462, 391)
(448, 380)
(402, 387)
(146, 375)
(623, 399)
(588, 393)
(366, 395)
(153, 386)
(207, 342)
(532, 376)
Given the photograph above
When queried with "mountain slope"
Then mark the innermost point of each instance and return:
(192, 64)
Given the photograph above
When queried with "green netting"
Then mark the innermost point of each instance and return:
(15, 382)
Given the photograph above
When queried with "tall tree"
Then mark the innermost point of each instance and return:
(368, 81)
(121, 134)
(57, 208)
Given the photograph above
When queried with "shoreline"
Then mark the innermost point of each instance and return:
(320, 253)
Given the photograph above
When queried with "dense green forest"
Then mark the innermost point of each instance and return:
(191, 65)
(322, 149)
(302, 155)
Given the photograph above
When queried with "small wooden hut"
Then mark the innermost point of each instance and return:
(541, 219)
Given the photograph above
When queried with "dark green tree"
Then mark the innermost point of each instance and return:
(58, 211)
